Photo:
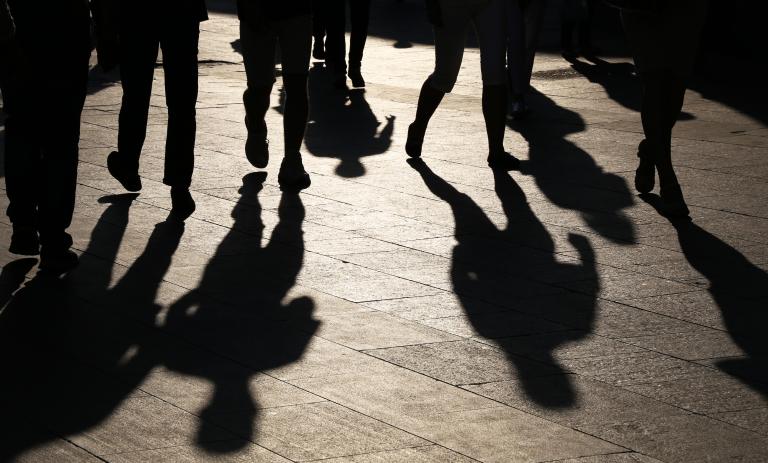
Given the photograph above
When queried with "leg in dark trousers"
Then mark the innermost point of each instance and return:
(335, 43)
(360, 12)
(179, 46)
(318, 31)
(138, 54)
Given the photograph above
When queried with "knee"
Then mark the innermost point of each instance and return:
(442, 81)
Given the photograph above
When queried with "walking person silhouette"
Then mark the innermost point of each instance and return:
(664, 37)
(44, 50)
(145, 27)
(451, 19)
(264, 24)
(335, 15)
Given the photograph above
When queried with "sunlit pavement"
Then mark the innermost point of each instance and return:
(425, 312)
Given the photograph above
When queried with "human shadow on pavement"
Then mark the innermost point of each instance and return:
(74, 351)
(568, 176)
(343, 126)
(738, 287)
(618, 79)
(489, 266)
(61, 355)
(239, 311)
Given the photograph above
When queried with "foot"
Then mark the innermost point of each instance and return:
(182, 203)
(503, 161)
(257, 150)
(127, 176)
(58, 262)
(356, 77)
(645, 175)
(318, 51)
(518, 110)
(340, 81)
(415, 141)
(672, 201)
(292, 176)
(25, 242)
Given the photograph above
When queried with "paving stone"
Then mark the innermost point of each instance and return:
(244, 452)
(426, 454)
(755, 420)
(699, 344)
(438, 306)
(324, 430)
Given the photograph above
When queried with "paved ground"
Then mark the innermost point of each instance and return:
(403, 313)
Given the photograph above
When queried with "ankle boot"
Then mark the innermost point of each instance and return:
(256, 101)
(645, 175)
(429, 100)
(495, 114)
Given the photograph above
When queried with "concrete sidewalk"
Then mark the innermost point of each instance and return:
(394, 312)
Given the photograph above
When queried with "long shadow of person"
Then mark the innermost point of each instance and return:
(238, 311)
(618, 79)
(64, 353)
(568, 176)
(739, 290)
(485, 261)
(343, 126)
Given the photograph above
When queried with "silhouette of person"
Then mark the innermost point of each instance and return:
(144, 27)
(264, 24)
(487, 259)
(247, 284)
(450, 20)
(336, 22)
(342, 125)
(45, 49)
(524, 18)
(664, 37)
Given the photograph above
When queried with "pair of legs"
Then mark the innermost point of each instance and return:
(294, 35)
(487, 18)
(577, 20)
(664, 44)
(44, 93)
(524, 19)
(336, 21)
(318, 31)
(139, 51)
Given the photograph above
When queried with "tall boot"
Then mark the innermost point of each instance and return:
(429, 100)
(256, 101)
(292, 174)
(495, 115)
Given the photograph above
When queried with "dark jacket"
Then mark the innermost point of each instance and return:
(162, 12)
(259, 11)
(51, 24)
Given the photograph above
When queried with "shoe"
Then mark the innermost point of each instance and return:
(318, 51)
(414, 142)
(518, 110)
(24, 242)
(672, 202)
(128, 178)
(257, 150)
(292, 176)
(356, 77)
(182, 203)
(503, 161)
(340, 82)
(645, 175)
(58, 262)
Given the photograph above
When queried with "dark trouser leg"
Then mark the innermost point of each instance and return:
(335, 42)
(429, 100)
(359, 17)
(296, 111)
(495, 114)
(60, 151)
(138, 55)
(318, 22)
(657, 123)
(180, 64)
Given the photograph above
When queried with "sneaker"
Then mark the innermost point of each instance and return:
(414, 142)
(58, 262)
(128, 177)
(672, 202)
(645, 175)
(24, 242)
(356, 77)
(257, 150)
(292, 176)
(182, 204)
(503, 161)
